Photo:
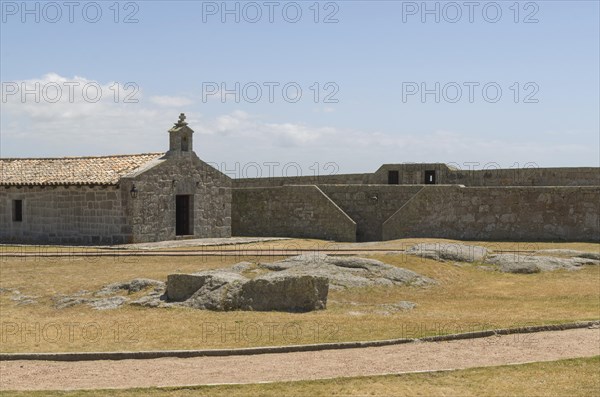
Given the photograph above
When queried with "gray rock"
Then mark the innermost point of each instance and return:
(107, 303)
(516, 263)
(62, 302)
(404, 305)
(21, 299)
(296, 284)
(399, 306)
(224, 291)
(241, 267)
(219, 291)
(285, 292)
(131, 286)
(101, 300)
(299, 283)
(589, 255)
(449, 252)
(181, 287)
(519, 267)
(571, 253)
(346, 272)
(154, 299)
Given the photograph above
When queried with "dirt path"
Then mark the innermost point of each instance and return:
(497, 350)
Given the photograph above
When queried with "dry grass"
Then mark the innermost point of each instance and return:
(310, 244)
(465, 298)
(575, 378)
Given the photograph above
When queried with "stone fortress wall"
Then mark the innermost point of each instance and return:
(414, 174)
(531, 204)
(300, 211)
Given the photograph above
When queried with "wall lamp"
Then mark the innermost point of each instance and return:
(133, 192)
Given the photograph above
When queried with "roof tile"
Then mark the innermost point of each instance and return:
(107, 170)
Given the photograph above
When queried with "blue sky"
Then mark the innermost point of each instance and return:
(371, 57)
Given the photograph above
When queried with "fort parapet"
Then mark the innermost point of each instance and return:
(424, 200)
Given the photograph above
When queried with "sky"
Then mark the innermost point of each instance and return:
(286, 88)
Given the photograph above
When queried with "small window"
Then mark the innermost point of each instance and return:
(393, 177)
(184, 144)
(17, 210)
(430, 177)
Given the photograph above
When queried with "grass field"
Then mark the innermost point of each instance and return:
(465, 298)
(574, 378)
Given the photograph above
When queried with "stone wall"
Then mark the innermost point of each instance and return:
(289, 211)
(414, 174)
(515, 213)
(491, 175)
(525, 177)
(343, 179)
(64, 215)
(153, 213)
(370, 205)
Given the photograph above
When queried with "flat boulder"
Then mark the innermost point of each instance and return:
(347, 272)
(519, 267)
(571, 253)
(449, 252)
(519, 263)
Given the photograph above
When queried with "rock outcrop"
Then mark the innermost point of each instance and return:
(299, 283)
(296, 284)
(515, 263)
(449, 252)
(224, 290)
(347, 272)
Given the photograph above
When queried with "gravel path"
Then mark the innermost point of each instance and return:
(497, 350)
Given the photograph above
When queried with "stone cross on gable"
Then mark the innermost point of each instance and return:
(181, 121)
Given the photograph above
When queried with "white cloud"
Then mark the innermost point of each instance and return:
(73, 125)
(55, 115)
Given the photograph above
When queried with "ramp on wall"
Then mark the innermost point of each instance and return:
(302, 211)
(384, 212)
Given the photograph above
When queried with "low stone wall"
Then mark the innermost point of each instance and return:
(515, 213)
(289, 211)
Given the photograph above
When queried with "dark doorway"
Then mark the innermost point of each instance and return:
(183, 215)
(393, 177)
(430, 177)
(17, 211)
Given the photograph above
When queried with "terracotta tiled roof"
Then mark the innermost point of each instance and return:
(71, 170)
